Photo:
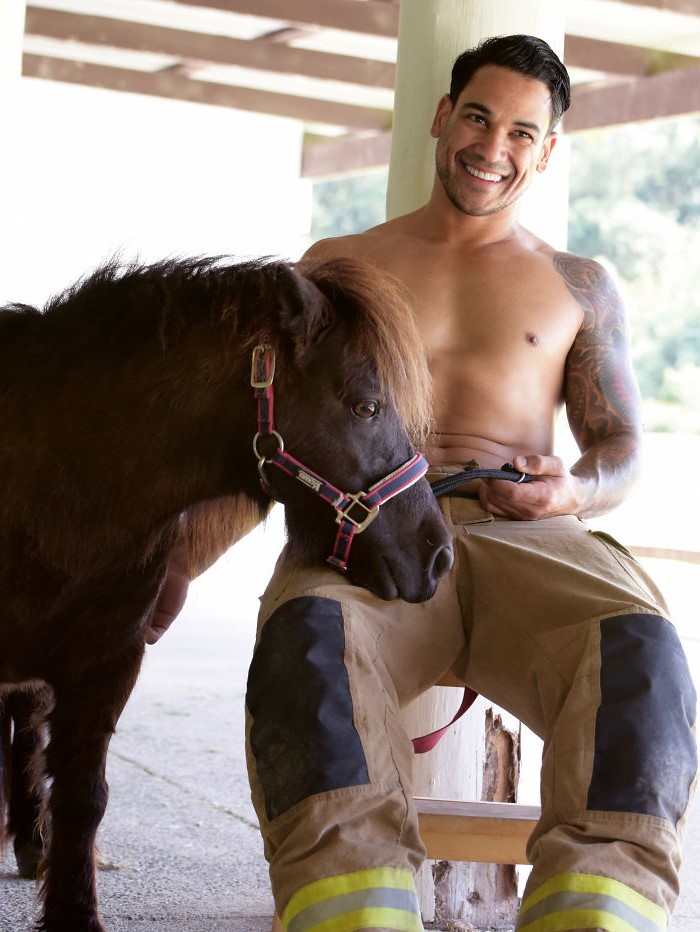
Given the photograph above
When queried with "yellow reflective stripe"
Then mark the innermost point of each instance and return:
(567, 885)
(578, 919)
(373, 879)
(371, 919)
(397, 878)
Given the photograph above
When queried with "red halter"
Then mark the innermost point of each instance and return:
(354, 510)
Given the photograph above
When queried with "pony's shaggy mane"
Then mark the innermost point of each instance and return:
(135, 300)
(123, 303)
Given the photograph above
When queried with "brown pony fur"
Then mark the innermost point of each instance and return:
(127, 426)
(374, 307)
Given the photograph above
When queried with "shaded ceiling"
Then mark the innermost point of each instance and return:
(330, 63)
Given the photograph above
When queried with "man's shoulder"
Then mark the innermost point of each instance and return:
(369, 245)
(570, 265)
(335, 247)
(593, 273)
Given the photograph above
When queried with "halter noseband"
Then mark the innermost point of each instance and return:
(355, 511)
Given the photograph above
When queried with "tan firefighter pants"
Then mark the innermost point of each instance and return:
(553, 622)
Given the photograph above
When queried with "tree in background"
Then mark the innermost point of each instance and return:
(349, 204)
(635, 205)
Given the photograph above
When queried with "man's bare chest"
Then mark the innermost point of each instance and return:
(479, 314)
(497, 301)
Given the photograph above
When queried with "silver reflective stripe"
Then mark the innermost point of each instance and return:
(572, 901)
(337, 906)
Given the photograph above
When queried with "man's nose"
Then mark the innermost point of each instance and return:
(491, 146)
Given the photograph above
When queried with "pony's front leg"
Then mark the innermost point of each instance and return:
(81, 725)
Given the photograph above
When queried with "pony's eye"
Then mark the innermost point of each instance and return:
(366, 408)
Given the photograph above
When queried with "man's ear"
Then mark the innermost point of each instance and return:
(547, 148)
(444, 108)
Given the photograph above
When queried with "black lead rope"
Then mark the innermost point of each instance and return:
(507, 471)
(441, 487)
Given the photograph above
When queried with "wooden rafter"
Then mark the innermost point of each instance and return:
(173, 85)
(669, 6)
(670, 94)
(639, 84)
(207, 49)
(372, 17)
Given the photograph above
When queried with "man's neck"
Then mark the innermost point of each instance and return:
(440, 219)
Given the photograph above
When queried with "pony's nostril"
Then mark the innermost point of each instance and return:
(442, 561)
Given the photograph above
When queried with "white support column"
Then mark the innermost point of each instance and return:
(12, 15)
(432, 33)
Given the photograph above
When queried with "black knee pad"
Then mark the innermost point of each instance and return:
(303, 736)
(645, 750)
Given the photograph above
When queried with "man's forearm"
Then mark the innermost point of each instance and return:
(607, 472)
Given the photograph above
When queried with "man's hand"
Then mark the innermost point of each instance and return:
(553, 490)
(170, 601)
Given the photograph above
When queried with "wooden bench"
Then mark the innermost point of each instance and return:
(494, 833)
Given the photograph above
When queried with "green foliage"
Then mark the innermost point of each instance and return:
(635, 202)
(348, 205)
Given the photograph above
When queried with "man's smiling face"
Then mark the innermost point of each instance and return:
(493, 140)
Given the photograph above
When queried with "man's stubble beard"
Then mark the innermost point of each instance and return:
(450, 190)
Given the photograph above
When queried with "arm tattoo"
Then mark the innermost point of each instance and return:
(601, 392)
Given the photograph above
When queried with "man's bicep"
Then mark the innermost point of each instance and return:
(602, 397)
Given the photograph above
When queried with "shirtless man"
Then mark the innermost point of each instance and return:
(552, 621)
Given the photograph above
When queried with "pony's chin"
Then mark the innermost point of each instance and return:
(414, 588)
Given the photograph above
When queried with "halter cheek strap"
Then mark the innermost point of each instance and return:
(355, 511)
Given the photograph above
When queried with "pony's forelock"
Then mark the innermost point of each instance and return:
(385, 330)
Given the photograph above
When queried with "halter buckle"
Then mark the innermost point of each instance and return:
(262, 368)
(360, 522)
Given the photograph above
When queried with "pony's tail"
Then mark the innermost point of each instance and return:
(5, 749)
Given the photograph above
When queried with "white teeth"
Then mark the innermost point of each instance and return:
(485, 176)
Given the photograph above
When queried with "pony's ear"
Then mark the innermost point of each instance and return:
(306, 313)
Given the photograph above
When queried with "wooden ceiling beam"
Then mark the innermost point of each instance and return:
(175, 86)
(608, 57)
(618, 59)
(197, 47)
(688, 7)
(352, 153)
(673, 93)
(372, 17)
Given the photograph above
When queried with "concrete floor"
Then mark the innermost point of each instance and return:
(179, 843)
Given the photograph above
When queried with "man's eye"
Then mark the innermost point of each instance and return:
(366, 408)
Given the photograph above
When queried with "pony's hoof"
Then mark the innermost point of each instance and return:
(28, 857)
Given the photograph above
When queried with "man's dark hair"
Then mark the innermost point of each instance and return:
(527, 55)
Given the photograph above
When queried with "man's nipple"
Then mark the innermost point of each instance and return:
(532, 338)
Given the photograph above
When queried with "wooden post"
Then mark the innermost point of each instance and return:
(431, 35)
